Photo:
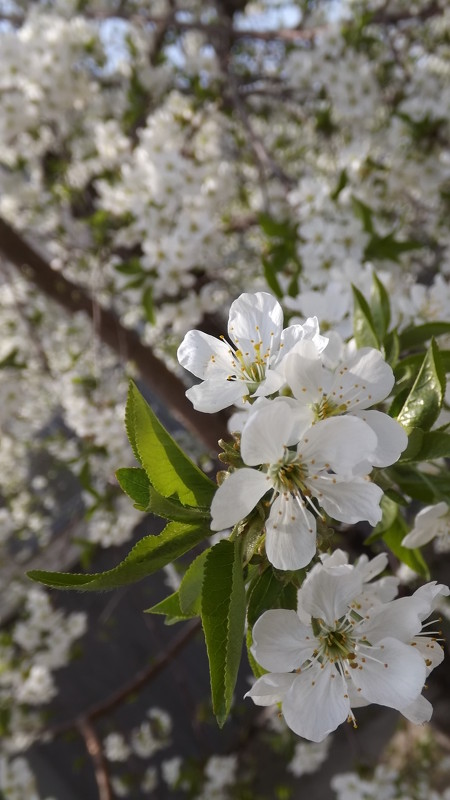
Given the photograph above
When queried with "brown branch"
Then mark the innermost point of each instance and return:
(125, 342)
(94, 748)
(139, 680)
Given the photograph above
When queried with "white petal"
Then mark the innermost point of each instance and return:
(392, 437)
(392, 674)
(305, 374)
(271, 688)
(267, 432)
(348, 500)
(316, 703)
(201, 354)
(430, 650)
(290, 534)
(327, 595)
(213, 395)
(428, 523)
(256, 318)
(271, 383)
(340, 443)
(426, 597)
(362, 380)
(400, 618)
(237, 496)
(419, 711)
(281, 643)
(418, 537)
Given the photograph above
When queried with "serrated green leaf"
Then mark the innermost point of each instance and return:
(190, 590)
(427, 488)
(415, 439)
(223, 618)
(418, 334)
(412, 558)
(169, 470)
(391, 348)
(134, 482)
(380, 308)
(423, 403)
(406, 370)
(264, 594)
(147, 556)
(170, 608)
(171, 508)
(363, 324)
(435, 444)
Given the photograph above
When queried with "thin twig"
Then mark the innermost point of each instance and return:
(94, 748)
(139, 680)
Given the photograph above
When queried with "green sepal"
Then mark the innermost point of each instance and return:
(147, 556)
(223, 619)
(169, 470)
(424, 401)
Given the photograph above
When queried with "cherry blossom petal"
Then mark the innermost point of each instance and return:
(392, 437)
(419, 711)
(316, 703)
(400, 617)
(267, 432)
(256, 318)
(271, 688)
(390, 674)
(214, 394)
(428, 524)
(200, 353)
(362, 380)
(340, 443)
(304, 373)
(237, 496)
(348, 500)
(280, 641)
(430, 650)
(327, 595)
(290, 534)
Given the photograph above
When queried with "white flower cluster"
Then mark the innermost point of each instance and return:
(16, 780)
(385, 784)
(311, 447)
(348, 645)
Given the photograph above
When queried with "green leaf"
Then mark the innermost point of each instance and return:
(134, 482)
(418, 334)
(412, 558)
(270, 274)
(171, 609)
(171, 508)
(147, 556)
(148, 305)
(423, 403)
(388, 247)
(363, 323)
(390, 510)
(264, 594)
(170, 471)
(391, 348)
(257, 670)
(435, 444)
(421, 486)
(380, 308)
(415, 439)
(223, 618)
(190, 590)
(364, 213)
(406, 370)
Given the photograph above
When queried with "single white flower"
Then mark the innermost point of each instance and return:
(320, 466)
(358, 382)
(431, 522)
(245, 368)
(341, 659)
